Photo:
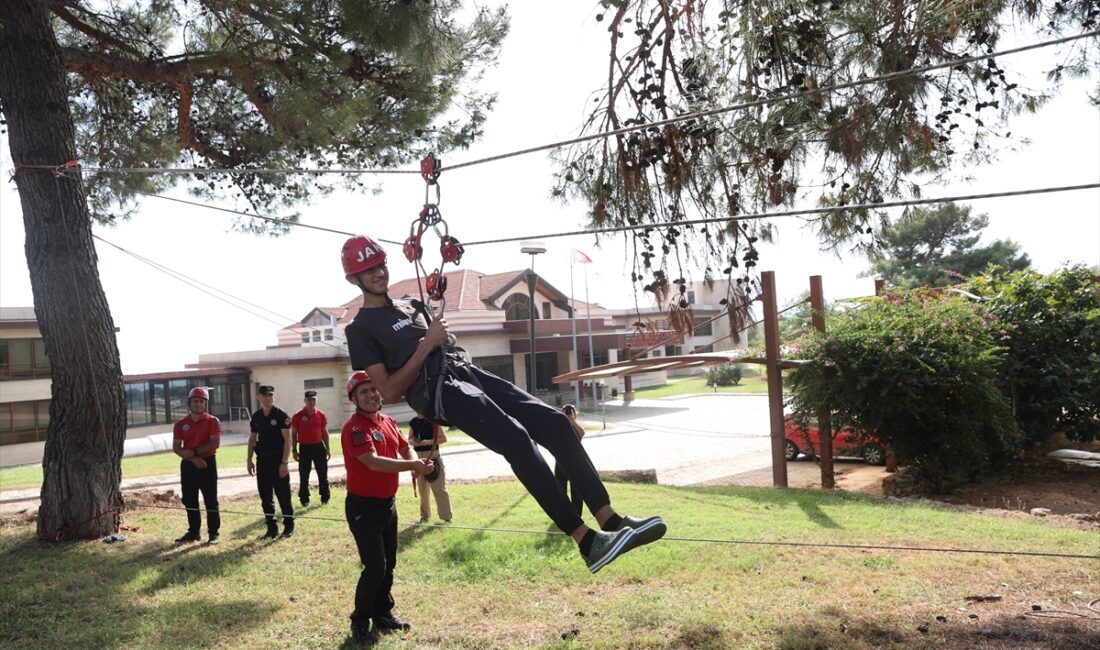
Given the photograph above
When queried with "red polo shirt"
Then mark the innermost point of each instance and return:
(311, 428)
(196, 434)
(360, 435)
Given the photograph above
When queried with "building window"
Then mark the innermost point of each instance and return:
(146, 402)
(599, 359)
(705, 329)
(328, 334)
(305, 337)
(517, 307)
(673, 350)
(319, 383)
(24, 421)
(691, 297)
(23, 359)
(546, 310)
(501, 366)
(316, 336)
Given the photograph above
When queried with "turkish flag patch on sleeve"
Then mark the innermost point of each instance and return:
(359, 438)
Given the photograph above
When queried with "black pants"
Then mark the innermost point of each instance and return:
(574, 494)
(373, 523)
(194, 480)
(508, 421)
(268, 482)
(312, 456)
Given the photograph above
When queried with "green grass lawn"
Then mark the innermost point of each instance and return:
(751, 383)
(478, 589)
(230, 458)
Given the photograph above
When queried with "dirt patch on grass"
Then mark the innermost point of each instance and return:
(1070, 492)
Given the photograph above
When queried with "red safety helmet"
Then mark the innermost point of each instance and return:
(200, 393)
(360, 254)
(356, 378)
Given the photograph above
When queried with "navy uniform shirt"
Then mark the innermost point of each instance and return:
(269, 430)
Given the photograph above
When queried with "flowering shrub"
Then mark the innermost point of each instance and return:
(920, 371)
(1051, 334)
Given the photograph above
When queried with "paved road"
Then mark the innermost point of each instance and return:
(707, 439)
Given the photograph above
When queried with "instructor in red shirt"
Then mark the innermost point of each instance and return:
(309, 436)
(195, 439)
(372, 444)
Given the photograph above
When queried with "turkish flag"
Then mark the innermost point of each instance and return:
(580, 258)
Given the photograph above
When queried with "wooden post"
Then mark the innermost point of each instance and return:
(775, 379)
(824, 425)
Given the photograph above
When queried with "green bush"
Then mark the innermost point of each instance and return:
(920, 371)
(1050, 328)
(726, 374)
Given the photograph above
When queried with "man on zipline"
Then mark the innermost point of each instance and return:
(404, 354)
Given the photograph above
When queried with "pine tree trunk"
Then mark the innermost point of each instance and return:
(87, 411)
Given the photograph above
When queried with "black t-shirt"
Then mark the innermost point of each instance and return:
(269, 430)
(389, 336)
(422, 429)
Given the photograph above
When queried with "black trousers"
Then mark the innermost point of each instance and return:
(312, 456)
(194, 480)
(509, 421)
(574, 494)
(268, 482)
(373, 523)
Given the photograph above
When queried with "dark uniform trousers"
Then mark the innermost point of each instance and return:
(509, 421)
(373, 523)
(268, 482)
(194, 480)
(574, 494)
(312, 456)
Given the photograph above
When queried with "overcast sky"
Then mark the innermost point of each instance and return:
(552, 61)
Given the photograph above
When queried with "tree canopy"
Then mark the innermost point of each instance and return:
(870, 142)
(938, 247)
(279, 84)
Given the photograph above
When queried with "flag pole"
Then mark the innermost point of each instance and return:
(591, 350)
(573, 317)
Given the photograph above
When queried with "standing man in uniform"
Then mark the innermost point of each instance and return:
(309, 435)
(195, 439)
(270, 441)
(372, 444)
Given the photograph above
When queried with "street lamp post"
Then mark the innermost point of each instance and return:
(532, 249)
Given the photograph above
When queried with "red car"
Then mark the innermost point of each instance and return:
(846, 442)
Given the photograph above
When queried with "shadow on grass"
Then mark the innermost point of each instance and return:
(461, 552)
(554, 541)
(88, 594)
(832, 628)
(808, 501)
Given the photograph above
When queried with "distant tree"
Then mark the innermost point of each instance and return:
(939, 246)
(229, 84)
(864, 144)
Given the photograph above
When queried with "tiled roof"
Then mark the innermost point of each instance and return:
(467, 290)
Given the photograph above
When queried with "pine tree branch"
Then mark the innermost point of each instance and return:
(61, 11)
